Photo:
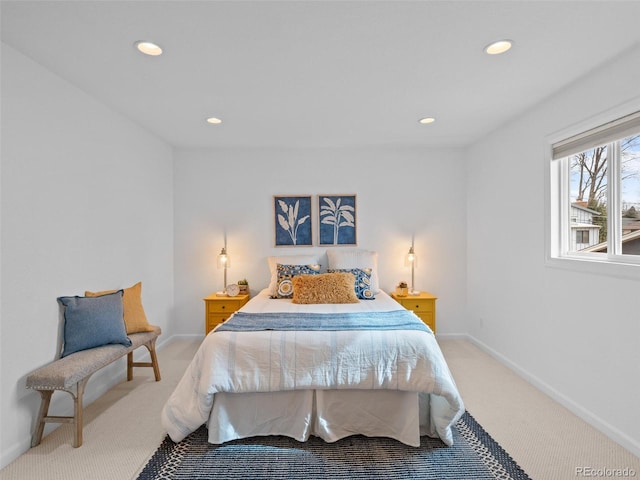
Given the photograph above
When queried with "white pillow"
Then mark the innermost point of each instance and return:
(287, 260)
(355, 258)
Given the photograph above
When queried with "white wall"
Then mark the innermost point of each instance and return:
(400, 194)
(86, 204)
(586, 354)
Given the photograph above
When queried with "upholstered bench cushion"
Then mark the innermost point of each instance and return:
(66, 372)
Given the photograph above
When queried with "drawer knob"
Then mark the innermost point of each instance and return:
(223, 307)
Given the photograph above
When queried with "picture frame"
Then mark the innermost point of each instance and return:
(337, 220)
(292, 219)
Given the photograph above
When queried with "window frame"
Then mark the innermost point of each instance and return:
(558, 208)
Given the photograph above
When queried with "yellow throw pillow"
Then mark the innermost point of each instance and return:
(324, 288)
(135, 319)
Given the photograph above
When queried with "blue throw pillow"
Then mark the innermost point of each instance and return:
(287, 272)
(92, 322)
(363, 281)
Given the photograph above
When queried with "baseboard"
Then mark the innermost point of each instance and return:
(452, 336)
(595, 421)
(192, 337)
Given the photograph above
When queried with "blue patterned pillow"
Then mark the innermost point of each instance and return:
(92, 322)
(287, 272)
(363, 281)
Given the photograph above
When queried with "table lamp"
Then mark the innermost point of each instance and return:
(224, 262)
(411, 260)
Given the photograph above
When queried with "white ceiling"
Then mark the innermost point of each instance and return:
(325, 73)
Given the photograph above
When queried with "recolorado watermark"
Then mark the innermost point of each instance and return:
(596, 472)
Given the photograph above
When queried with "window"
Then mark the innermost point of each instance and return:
(595, 193)
(582, 236)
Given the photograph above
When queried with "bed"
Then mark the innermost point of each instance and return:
(278, 367)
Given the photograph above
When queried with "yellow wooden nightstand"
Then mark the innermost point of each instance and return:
(423, 305)
(218, 309)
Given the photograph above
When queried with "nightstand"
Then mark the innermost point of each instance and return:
(218, 309)
(423, 305)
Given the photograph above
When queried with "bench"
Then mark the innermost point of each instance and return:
(71, 374)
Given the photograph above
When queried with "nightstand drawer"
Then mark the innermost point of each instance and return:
(224, 306)
(219, 317)
(215, 319)
(428, 318)
(419, 306)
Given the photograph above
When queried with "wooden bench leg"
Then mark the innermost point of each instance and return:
(129, 366)
(151, 346)
(78, 412)
(45, 400)
(44, 417)
(154, 360)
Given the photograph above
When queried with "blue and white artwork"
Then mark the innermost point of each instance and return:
(292, 221)
(337, 219)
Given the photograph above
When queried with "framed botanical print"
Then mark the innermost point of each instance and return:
(337, 220)
(292, 220)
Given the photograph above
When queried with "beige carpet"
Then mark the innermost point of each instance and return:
(542, 436)
(122, 428)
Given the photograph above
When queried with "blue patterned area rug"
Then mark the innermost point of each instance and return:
(474, 455)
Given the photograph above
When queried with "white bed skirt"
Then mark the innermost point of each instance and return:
(328, 414)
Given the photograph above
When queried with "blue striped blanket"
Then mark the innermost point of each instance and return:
(284, 321)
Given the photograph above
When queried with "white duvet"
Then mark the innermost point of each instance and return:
(281, 361)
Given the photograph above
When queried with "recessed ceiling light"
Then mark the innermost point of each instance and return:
(214, 120)
(427, 120)
(498, 47)
(148, 48)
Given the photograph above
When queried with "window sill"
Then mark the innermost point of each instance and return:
(596, 266)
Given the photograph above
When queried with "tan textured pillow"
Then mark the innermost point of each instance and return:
(324, 288)
(134, 317)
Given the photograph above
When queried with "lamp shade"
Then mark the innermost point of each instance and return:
(223, 259)
(411, 259)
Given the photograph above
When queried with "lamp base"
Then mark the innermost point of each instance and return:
(222, 294)
(414, 292)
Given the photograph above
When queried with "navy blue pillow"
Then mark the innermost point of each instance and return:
(287, 272)
(92, 322)
(363, 281)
